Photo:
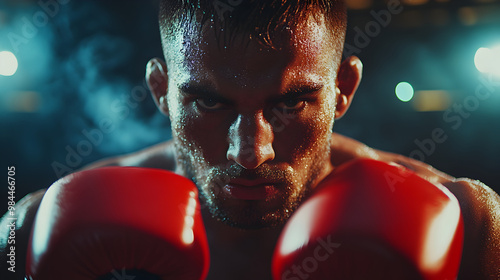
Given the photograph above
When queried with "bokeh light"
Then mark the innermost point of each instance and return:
(488, 60)
(404, 91)
(8, 63)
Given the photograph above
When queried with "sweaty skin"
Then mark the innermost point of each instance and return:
(251, 112)
(236, 109)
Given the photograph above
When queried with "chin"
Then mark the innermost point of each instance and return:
(250, 223)
(252, 215)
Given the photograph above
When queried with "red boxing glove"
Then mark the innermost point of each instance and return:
(372, 220)
(119, 223)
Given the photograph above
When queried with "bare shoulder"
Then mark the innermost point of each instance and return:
(15, 230)
(480, 206)
(346, 149)
(24, 210)
(158, 156)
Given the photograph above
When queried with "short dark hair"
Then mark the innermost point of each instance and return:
(255, 18)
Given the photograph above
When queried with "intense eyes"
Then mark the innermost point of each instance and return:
(289, 105)
(291, 101)
(292, 104)
(209, 104)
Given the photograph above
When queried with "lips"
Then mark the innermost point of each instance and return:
(245, 189)
(251, 182)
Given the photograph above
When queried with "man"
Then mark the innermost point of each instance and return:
(252, 90)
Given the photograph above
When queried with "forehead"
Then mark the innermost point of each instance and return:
(303, 52)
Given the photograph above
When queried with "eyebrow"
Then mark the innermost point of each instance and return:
(302, 89)
(202, 90)
(207, 90)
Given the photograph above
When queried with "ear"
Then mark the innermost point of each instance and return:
(157, 79)
(348, 79)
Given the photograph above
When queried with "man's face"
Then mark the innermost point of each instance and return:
(251, 124)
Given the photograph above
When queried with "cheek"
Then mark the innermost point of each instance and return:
(306, 135)
(203, 136)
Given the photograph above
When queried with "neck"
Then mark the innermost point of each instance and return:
(233, 250)
(219, 231)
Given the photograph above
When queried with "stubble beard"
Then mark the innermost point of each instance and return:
(249, 214)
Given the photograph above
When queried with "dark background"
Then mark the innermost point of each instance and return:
(79, 93)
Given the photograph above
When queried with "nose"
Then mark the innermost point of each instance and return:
(250, 141)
